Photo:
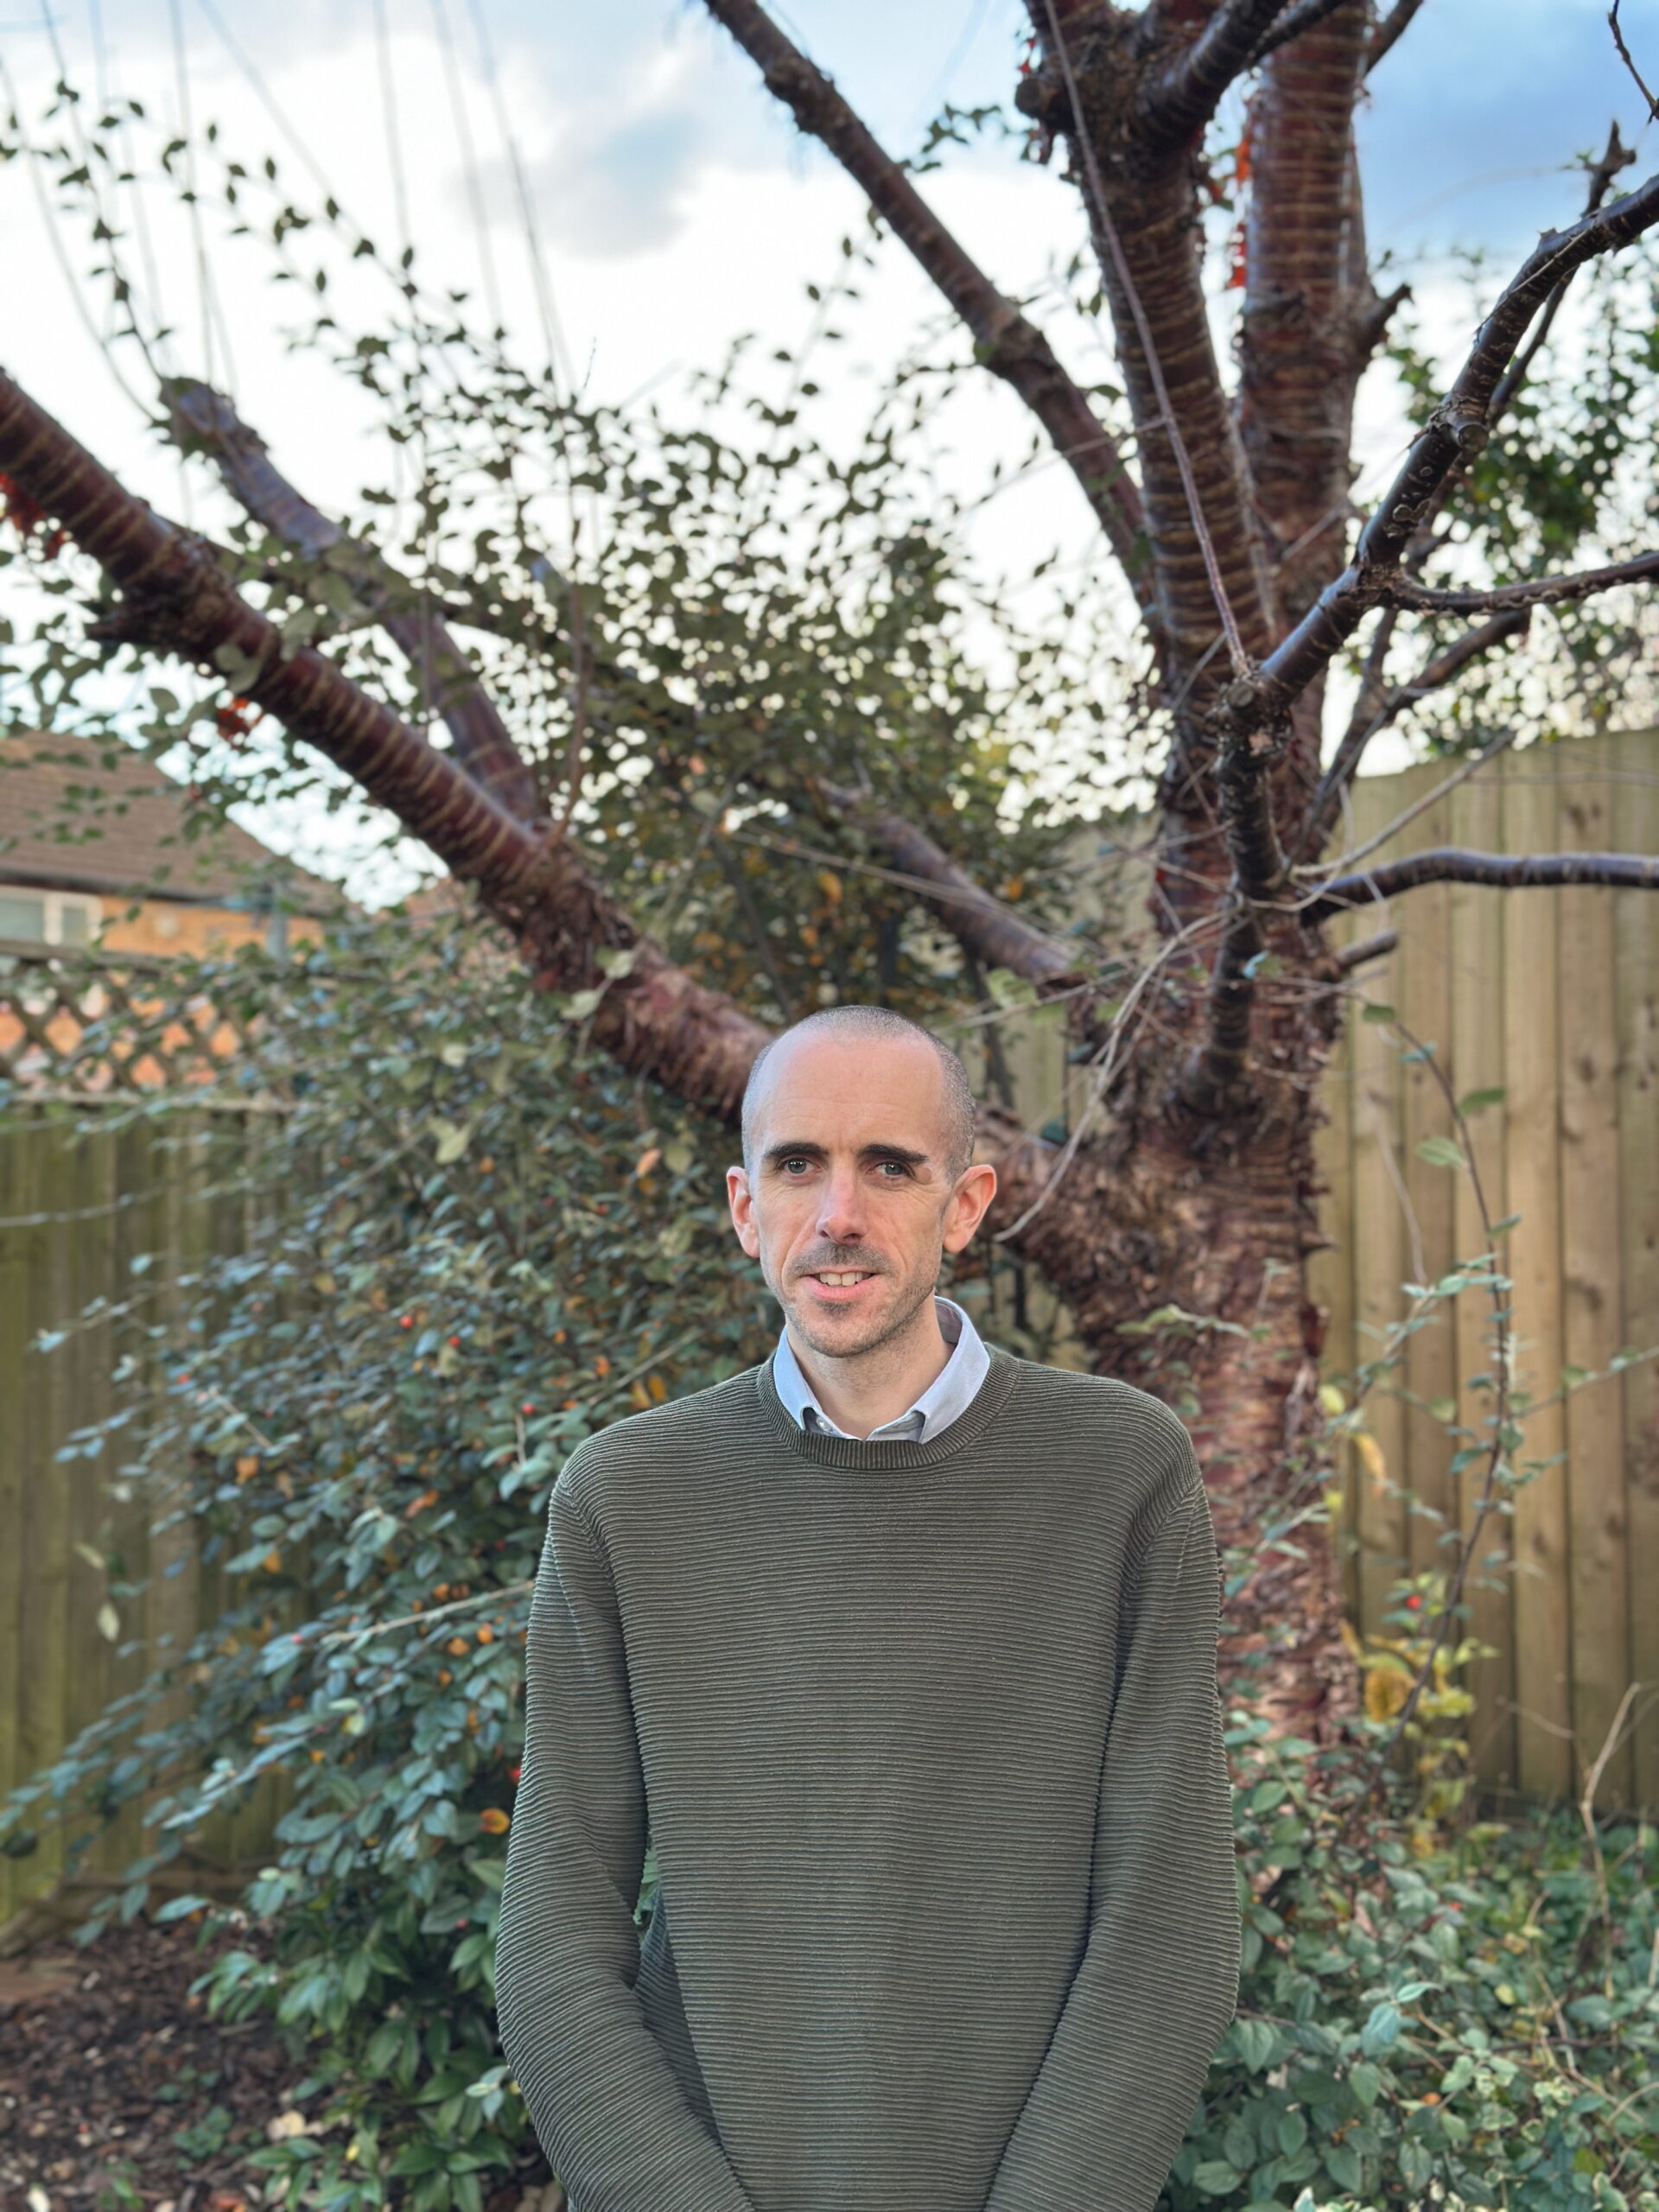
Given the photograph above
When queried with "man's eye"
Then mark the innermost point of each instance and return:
(897, 1166)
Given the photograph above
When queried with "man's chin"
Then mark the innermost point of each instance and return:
(842, 1332)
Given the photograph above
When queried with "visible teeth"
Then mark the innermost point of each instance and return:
(838, 1282)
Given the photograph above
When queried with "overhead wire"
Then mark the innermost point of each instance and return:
(558, 359)
(187, 132)
(468, 162)
(50, 217)
(114, 105)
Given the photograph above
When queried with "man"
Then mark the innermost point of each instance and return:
(907, 1650)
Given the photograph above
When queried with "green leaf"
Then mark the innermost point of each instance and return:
(1478, 1100)
(1372, 1011)
(452, 1139)
(1382, 2031)
(1442, 1152)
(1217, 2177)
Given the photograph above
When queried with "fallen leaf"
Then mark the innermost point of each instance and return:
(285, 2125)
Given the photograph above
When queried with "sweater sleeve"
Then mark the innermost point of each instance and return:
(1157, 1980)
(606, 2105)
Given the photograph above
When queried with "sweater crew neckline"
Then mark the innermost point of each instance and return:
(857, 1454)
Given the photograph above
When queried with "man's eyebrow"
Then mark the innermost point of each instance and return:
(774, 1152)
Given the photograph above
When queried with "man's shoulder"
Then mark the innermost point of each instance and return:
(1101, 1397)
(662, 1435)
(1107, 1407)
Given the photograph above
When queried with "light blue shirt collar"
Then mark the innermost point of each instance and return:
(949, 1395)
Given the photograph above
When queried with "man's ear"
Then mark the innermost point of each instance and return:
(975, 1188)
(740, 1200)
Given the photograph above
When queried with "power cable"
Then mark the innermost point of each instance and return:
(187, 132)
(469, 161)
(558, 359)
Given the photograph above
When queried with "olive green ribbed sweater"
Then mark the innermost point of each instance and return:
(929, 1738)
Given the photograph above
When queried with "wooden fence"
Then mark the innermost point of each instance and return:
(84, 1203)
(1552, 998)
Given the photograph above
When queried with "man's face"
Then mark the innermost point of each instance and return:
(850, 1200)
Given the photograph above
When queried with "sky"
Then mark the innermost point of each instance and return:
(675, 206)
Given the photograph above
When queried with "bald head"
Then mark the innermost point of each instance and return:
(857, 1025)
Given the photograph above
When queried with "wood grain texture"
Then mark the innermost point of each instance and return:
(1475, 922)
(1532, 1023)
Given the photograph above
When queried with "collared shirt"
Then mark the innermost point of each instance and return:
(950, 1393)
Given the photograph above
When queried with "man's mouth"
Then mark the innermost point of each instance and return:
(842, 1279)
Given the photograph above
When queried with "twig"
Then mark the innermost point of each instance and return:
(1460, 775)
(1624, 56)
(1005, 342)
(1368, 720)
(1540, 591)
(1398, 19)
(1500, 871)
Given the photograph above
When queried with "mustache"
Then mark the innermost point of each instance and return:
(838, 1258)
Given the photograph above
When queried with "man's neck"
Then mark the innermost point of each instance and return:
(863, 1394)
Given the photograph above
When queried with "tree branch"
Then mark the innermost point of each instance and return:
(1252, 712)
(203, 421)
(1602, 173)
(646, 1012)
(1371, 716)
(1499, 871)
(1540, 591)
(1005, 342)
(1388, 31)
(972, 916)
(1301, 15)
(1180, 98)
(1458, 426)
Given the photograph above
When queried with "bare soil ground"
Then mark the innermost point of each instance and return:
(117, 2094)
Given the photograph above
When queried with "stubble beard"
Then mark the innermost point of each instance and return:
(835, 1344)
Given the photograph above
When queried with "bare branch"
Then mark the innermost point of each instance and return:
(1458, 426)
(1365, 950)
(1499, 871)
(204, 421)
(647, 1012)
(1388, 31)
(969, 913)
(1371, 715)
(1181, 98)
(1624, 56)
(1301, 15)
(972, 916)
(1540, 591)
(1602, 173)
(1005, 342)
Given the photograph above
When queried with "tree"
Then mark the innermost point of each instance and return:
(1189, 1192)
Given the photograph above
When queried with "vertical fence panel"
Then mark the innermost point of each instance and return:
(1475, 919)
(15, 1195)
(43, 1618)
(1637, 943)
(1380, 1231)
(1532, 1020)
(1425, 1008)
(1592, 1292)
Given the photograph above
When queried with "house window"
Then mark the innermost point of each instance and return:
(48, 917)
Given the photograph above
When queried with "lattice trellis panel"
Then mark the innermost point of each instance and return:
(106, 1024)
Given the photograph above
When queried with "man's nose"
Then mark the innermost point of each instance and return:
(841, 1213)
